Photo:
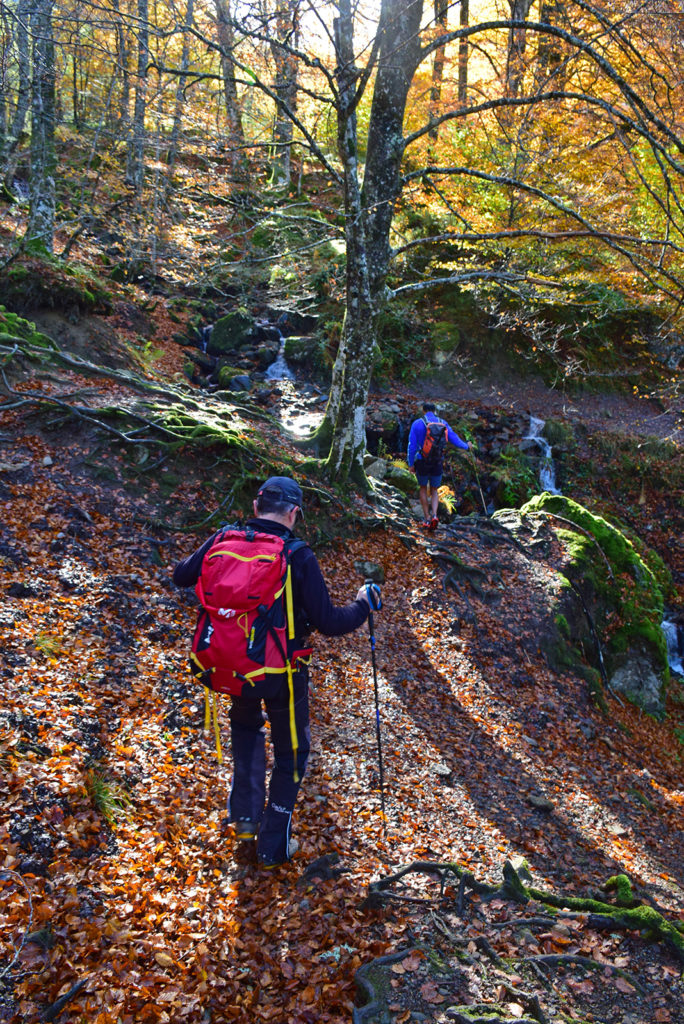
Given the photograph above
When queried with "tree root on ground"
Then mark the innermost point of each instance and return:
(509, 963)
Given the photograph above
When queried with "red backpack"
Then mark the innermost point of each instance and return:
(245, 630)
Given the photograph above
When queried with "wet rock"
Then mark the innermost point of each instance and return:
(370, 570)
(540, 803)
(301, 351)
(635, 677)
(377, 469)
(291, 321)
(241, 382)
(265, 355)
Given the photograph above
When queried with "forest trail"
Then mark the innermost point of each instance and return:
(633, 415)
(116, 859)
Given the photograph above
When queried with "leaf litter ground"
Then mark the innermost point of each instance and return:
(119, 875)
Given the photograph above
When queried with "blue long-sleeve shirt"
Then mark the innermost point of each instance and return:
(417, 437)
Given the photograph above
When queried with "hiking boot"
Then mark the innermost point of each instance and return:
(292, 848)
(245, 829)
(426, 524)
(434, 523)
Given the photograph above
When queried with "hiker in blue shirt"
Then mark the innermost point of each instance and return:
(429, 466)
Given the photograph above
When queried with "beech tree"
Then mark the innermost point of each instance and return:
(135, 166)
(41, 220)
(15, 84)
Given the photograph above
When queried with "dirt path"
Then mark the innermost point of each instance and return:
(615, 412)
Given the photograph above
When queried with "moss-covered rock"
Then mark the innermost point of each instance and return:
(620, 586)
(226, 374)
(231, 332)
(14, 327)
(39, 281)
(400, 478)
(302, 350)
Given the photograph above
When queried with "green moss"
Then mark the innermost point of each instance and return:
(630, 581)
(40, 280)
(14, 328)
(232, 330)
(516, 479)
(622, 887)
(558, 434)
(226, 374)
(562, 624)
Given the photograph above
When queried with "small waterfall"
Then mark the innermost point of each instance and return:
(547, 469)
(205, 335)
(674, 635)
(279, 370)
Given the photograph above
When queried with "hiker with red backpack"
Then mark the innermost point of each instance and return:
(427, 443)
(262, 591)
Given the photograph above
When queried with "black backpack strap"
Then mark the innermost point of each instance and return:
(292, 545)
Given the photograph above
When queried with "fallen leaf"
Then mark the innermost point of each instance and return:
(430, 994)
(163, 959)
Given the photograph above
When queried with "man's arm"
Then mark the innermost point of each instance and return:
(187, 572)
(311, 594)
(415, 441)
(453, 438)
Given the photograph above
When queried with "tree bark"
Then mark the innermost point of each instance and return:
(226, 38)
(515, 65)
(368, 217)
(135, 167)
(441, 24)
(285, 87)
(41, 219)
(180, 90)
(10, 138)
(122, 54)
(464, 21)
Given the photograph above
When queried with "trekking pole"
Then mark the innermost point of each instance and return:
(373, 593)
(477, 477)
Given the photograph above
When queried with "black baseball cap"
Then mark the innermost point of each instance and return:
(283, 488)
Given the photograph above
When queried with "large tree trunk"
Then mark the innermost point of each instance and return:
(17, 37)
(41, 219)
(285, 88)
(226, 38)
(135, 166)
(368, 218)
(441, 18)
(515, 67)
(180, 90)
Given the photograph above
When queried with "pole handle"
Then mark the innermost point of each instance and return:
(373, 595)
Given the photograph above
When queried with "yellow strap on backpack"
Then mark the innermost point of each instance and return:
(211, 711)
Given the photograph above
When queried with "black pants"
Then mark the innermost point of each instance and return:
(291, 739)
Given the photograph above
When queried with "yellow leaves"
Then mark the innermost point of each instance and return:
(163, 959)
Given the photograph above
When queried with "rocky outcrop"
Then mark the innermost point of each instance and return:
(609, 609)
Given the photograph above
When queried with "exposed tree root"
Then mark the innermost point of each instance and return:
(624, 914)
